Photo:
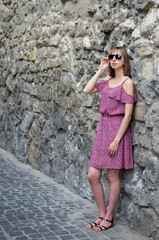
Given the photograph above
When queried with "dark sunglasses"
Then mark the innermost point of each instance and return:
(117, 56)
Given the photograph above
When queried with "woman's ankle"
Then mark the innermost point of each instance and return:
(109, 216)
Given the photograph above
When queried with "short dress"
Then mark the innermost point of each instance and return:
(112, 109)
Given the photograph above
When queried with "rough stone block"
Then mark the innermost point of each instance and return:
(144, 47)
(54, 41)
(127, 26)
(140, 111)
(149, 23)
(144, 5)
(33, 55)
(147, 69)
(27, 121)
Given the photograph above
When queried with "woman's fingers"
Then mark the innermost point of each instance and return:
(113, 149)
(105, 59)
(104, 62)
(112, 153)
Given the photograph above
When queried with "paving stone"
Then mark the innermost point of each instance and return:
(33, 206)
(36, 236)
(28, 230)
(67, 237)
(80, 235)
(52, 238)
(86, 238)
(1, 234)
(48, 234)
(22, 238)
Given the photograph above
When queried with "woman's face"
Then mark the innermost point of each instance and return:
(116, 59)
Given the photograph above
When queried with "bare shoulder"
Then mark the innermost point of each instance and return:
(107, 78)
(129, 86)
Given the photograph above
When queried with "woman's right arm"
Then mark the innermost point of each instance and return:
(90, 86)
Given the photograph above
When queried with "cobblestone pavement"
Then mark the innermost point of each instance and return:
(33, 206)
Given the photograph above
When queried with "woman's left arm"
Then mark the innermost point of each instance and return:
(113, 147)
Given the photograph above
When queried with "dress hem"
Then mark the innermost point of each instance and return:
(112, 168)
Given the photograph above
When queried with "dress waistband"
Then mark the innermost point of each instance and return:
(115, 115)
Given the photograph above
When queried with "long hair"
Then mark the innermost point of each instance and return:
(126, 62)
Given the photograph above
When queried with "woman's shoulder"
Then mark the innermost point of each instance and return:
(129, 86)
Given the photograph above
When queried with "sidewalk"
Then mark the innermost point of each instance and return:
(33, 206)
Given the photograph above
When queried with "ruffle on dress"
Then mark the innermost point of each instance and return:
(100, 85)
(122, 96)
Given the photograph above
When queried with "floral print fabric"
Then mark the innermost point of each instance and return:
(112, 108)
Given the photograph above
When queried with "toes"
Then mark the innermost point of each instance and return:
(96, 229)
(88, 226)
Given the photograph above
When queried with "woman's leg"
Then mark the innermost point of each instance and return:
(97, 189)
(114, 192)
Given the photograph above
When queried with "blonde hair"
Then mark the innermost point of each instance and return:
(126, 62)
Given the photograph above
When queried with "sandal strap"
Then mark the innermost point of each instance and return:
(95, 224)
(101, 227)
(107, 220)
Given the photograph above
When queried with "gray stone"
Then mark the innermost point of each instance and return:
(148, 93)
(144, 5)
(142, 136)
(140, 111)
(157, 13)
(149, 23)
(156, 36)
(151, 118)
(136, 33)
(155, 141)
(86, 42)
(144, 47)
(154, 199)
(54, 41)
(148, 216)
(127, 26)
(157, 68)
(141, 154)
(151, 172)
(27, 121)
(147, 69)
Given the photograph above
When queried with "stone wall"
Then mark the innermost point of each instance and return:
(49, 49)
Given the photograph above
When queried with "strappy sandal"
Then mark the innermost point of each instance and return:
(102, 227)
(94, 224)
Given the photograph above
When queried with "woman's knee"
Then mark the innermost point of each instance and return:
(91, 176)
(94, 175)
(113, 175)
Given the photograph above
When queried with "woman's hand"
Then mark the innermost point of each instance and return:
(104, 64)
(113, 148)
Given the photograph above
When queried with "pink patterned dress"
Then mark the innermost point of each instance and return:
(112, 108)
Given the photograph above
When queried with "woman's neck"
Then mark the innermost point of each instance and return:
(119, 75)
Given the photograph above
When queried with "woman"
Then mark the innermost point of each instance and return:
(112, 148)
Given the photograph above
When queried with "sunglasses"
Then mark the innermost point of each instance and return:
(117, 56)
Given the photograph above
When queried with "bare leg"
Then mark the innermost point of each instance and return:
(97, 189)
(114, 192)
